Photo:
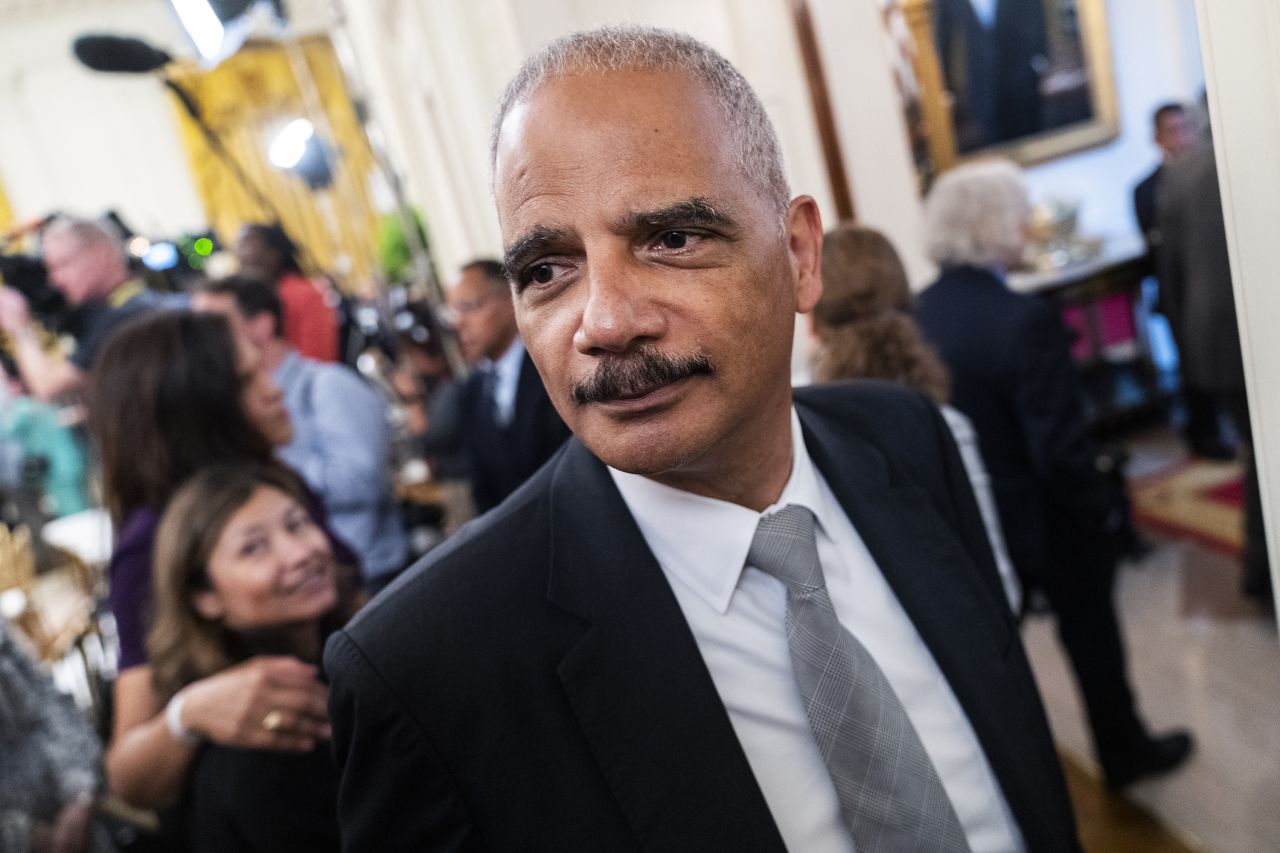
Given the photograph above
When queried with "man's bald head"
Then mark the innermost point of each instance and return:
(630, 48)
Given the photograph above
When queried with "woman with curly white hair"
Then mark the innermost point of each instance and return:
(1011, 374)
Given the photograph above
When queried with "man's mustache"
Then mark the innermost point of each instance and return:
(643, 368)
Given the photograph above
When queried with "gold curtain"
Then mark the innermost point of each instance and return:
(6, 211)
(247, 99)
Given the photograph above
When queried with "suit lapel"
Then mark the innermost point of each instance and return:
(938, 586)
(637, 682)
(913, 545)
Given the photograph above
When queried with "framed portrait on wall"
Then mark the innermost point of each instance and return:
(1027, 79)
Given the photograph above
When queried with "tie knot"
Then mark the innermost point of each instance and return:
(786, 547)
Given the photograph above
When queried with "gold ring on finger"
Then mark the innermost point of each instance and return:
(273, 720)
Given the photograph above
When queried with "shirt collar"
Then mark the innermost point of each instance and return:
(508, 364)
(704, 542)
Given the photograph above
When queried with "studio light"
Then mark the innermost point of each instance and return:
(297, 149)
(290, 144)
(202, 24)
(139, 246)
(219, 27)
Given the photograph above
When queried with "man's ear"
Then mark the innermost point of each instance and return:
(208, 604)
(804, 246)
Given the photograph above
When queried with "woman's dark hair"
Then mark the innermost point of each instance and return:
(184, 646)
(278, 241)
(863, 319)
(164, 402)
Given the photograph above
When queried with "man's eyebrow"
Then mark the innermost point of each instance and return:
(694, 211)
(536, 239)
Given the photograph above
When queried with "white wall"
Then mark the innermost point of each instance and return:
(1155, 53)
(1242, 69)
(871, 126)
(82, 142)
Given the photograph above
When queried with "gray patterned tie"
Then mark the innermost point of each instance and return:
(889, 789)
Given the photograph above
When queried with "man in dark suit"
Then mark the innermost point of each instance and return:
(508, 425)
(1011, 374)
(1174, 134)
(1195, 269)
(717, 619)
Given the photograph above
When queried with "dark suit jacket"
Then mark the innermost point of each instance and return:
(533, 685)
(1144, 207)
(1011, 374)
(254, 801)
(1195, 273)
(503, 457)
(1144, 210)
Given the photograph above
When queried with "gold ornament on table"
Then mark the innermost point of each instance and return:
(1053, 242)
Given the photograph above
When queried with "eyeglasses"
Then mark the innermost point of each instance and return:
(450, 314)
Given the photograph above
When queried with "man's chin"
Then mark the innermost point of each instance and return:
(646, 447)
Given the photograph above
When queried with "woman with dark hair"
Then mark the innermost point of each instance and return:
(174, 392)
(242, 569)
(864, 329)
(310, 322)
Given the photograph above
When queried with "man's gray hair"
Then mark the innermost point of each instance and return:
(976, 215)
(633, 48)
(87, 232)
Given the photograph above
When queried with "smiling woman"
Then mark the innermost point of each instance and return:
(241, 570)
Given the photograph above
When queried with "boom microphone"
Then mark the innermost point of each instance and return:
(119, 54)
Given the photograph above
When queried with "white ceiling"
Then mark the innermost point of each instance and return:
(306, 15)
(16, 9)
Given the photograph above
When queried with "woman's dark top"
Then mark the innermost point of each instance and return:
(254, 801)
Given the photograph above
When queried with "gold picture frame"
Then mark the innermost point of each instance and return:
(1074, 67)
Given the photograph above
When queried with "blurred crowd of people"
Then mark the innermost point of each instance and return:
(256, 484)
(192, 411)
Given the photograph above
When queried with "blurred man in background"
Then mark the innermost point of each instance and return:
(87, 264)
(509, 426)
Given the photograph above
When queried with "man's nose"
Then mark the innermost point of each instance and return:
(621, 310)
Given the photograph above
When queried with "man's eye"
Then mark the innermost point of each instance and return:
(541, 273)
(674, 240)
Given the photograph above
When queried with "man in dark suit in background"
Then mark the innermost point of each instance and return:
(1011, 374)
(509, 427)
(1174, 134)
(718, 619)
(1195, 270)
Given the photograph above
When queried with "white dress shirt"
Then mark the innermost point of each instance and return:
(967, 443)
(737, 615)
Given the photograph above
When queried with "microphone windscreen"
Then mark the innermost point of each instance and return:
(121, 54)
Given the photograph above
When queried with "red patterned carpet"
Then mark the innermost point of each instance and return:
(1196, 500)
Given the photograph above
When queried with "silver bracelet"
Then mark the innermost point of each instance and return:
(173, 720)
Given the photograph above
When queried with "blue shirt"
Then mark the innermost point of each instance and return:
(341, 447)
